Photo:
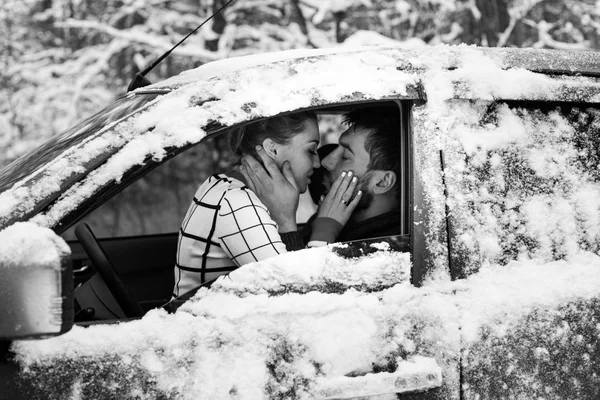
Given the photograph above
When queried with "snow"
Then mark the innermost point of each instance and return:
(372, 38)
(516, 184)
(32, 262)
(234, 337)
(418, 374)
(239, 93)
(27, 245)
(178, 122)
(232, 64)
(265, 342)
(318, 269)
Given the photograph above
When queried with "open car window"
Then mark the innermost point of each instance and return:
(522, 184)
(157, 202)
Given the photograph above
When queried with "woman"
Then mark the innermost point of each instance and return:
(226, 225)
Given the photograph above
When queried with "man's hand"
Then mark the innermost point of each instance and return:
(277, 190)
(339, 203)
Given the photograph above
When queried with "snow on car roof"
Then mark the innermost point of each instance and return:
(332, 76)
(228, 65)
(449, 57)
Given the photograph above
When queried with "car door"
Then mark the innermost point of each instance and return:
(519, 182)
(138, 228)
(101, 183)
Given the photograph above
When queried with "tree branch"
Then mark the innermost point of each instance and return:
(157, 44)
(303, 24)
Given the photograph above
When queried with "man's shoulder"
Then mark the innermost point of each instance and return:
(384, 224)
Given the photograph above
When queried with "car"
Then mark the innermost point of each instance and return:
(491, 289)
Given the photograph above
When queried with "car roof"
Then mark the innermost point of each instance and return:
(198, 103)
(546, 61)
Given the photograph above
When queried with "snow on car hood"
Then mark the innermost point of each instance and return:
(268, 343)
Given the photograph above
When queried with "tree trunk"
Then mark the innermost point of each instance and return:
(218, 26)
(494, 18)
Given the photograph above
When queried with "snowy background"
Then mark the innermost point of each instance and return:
(63, 60)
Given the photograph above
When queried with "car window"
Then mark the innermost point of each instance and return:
(157, 202)
(29, 162)
(523, 184)
(331, 127)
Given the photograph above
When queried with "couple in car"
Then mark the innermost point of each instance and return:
(250, 214)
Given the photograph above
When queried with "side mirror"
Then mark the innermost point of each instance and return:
(37, 283)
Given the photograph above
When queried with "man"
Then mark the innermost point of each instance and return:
(370, 148)
(360, 185)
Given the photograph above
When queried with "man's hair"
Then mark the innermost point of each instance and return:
(382, 125)
(280, 129)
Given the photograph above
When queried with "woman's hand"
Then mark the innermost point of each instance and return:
(276, 189)
(339, 203)
(335, 210)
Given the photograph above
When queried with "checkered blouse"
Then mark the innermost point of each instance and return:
(226, 226)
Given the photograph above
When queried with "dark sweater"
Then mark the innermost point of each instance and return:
(386, 224)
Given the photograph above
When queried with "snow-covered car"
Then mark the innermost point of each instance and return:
(492, 289)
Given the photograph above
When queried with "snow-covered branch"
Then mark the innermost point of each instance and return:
(545, 39)
(140, 36)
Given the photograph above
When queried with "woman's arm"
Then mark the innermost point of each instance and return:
(335, 210)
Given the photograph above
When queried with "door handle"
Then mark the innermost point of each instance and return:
(416, 375)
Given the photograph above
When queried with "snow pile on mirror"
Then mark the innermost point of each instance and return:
(27, 245)
(36, 290)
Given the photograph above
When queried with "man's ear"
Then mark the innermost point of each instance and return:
(270, 148)
(384, 181)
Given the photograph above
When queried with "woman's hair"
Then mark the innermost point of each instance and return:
(281, 129)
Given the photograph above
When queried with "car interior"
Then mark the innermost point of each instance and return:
(123, 252)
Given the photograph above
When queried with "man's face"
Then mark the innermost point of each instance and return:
(350, 155)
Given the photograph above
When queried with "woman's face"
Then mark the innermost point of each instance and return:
(301, 152)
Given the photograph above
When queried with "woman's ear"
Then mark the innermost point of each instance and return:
(270, 148)
(384, 181)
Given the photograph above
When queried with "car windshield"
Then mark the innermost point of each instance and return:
(31, 161)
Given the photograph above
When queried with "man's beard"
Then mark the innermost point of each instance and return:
(366, 198)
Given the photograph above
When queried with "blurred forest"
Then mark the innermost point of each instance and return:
(63, 60)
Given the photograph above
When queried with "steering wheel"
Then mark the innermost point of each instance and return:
(108, 272)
